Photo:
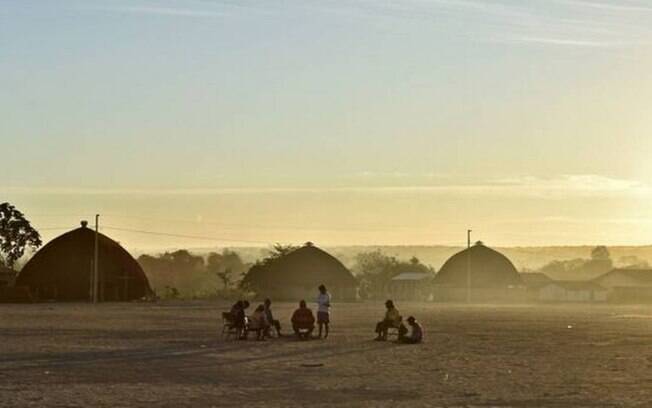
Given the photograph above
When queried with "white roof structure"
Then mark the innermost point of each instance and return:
(412, 276)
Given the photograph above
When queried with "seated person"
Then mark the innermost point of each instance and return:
(303, 321)
(270, 319)
(392, 319)
(239, 317)
(416, 332)
(258, 323)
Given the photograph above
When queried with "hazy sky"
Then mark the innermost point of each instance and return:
(340, 122)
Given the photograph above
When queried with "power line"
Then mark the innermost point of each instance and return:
(167, 234)
(259, 226)
(358, 228)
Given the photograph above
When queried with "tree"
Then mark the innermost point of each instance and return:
(179, 269)
(256, 276)
(600, 253)
(225, 266)
(16, 235)
(375, 270)
(599, 263)
(278, 251)
(633, 262)
(225, 277)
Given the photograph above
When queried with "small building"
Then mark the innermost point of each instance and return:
(572, 291)
(478, 274)
(61, 270)
(411, 286)
(627, 285)
(533, 281)
(296, 275)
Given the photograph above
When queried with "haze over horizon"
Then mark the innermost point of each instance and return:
(398, 123)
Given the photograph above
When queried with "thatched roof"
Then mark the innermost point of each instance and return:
(412, 276)
(307, 266)
(488, 269)
(62, 269)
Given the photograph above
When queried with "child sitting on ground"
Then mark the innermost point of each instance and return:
(416, 332)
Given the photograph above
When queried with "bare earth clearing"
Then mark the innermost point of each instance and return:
(170, 354)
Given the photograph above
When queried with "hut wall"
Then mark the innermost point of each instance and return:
(409, 290)
(480, 295)
(624, 294)
(555, 293)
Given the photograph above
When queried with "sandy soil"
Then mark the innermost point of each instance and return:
(171, 354)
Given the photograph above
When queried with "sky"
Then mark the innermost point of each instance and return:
(400, 122)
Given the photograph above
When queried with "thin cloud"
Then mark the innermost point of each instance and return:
(164, 11)
(567, 186)
(562, 42)
(609, 6)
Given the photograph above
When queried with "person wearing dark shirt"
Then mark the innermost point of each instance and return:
(238, 314)
(270, 317)
(303, 321)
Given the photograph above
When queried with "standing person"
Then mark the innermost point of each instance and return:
(270, 317)
(323, 310)
(416, 332)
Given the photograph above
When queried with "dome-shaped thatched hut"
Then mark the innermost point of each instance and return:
(62, 269)
(487, 273)
(488, 269)
(297, 274)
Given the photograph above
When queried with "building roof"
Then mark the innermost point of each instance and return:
(64, 266)
(575, 285)
(535, 279)
(488, 269)
(307, 266)
(412, 276)
(642, 276)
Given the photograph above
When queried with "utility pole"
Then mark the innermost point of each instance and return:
(468, 266)
(96, 269)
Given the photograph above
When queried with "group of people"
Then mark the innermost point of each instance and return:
(394, 320)
(261, 321)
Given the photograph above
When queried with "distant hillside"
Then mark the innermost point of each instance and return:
(435, 256)
(522, 257)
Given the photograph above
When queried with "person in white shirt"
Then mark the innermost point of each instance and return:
(323, 310)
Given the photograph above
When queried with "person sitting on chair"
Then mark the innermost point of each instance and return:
(303, 321)
(270, 319)
(416, 335)
(238, 314)
(392, 319)
(258, 323)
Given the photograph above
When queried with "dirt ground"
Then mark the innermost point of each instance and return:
(171, 354)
